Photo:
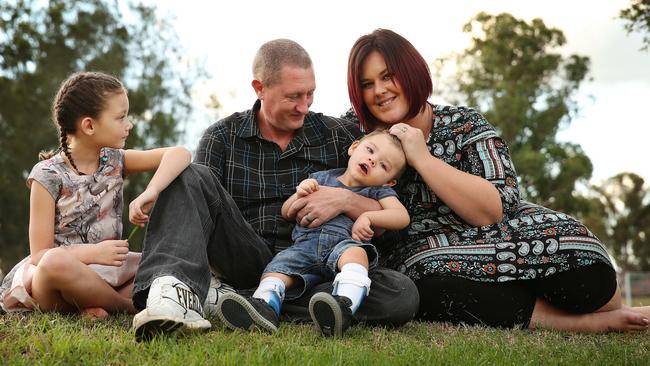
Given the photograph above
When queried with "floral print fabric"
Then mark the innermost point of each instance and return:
(88, 210)
(88, 207)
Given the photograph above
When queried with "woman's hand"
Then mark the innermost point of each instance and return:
(111, 252)
(412, 140)
(471, 197)
(140, 207)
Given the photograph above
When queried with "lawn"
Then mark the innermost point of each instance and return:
(69, 340)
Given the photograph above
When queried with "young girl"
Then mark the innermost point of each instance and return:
(76, 199)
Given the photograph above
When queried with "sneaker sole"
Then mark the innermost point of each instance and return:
(147, 327)
(326, 314)
(210, 308)
(236, 313)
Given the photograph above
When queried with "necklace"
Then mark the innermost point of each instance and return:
(69, 163)
(430, 119)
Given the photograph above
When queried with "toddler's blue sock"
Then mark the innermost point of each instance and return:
(271, 290)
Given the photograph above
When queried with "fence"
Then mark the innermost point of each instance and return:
(635, 287)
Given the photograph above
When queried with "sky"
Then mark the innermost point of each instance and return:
(612, 126)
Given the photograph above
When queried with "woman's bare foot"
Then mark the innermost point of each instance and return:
(623, 319)
(620, 320)
(94, 313)
(643, 310)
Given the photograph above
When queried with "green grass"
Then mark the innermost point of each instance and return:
(69, 340)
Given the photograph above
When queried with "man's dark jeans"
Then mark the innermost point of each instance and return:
(196, 226)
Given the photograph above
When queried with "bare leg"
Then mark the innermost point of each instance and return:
(94, 313)
(126, 289)
(353, 255)
(617, 303)
(288, 280)
(62, 283)
(614, 303)
(98, 313)
(620, 319)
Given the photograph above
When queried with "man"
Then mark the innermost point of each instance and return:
(223, 214)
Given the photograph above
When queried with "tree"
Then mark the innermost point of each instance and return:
(621, 219)
(513, 74)
(40, 45)
(638, 17)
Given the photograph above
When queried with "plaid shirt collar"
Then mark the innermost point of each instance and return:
(308, 135)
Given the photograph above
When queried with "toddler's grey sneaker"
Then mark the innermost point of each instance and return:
(216, 290)
(245, 312)
(331, 314)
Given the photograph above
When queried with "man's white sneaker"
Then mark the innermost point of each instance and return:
(171, 306)
(217, 288)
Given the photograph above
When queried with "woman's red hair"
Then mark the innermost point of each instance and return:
(404, 63)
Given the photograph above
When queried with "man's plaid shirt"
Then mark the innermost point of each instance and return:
(259, 176)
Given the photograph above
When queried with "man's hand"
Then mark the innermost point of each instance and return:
(320, 206)
(361, 230)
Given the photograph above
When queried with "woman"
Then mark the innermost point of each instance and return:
(477, 254)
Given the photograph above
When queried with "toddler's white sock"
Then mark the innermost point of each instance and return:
(353, 283)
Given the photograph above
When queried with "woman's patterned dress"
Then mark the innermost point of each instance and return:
(531, 241)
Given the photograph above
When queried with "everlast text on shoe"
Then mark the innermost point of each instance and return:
(188, 300)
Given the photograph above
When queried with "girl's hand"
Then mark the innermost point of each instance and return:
(111, 252)
(306, 187)
(412, 140)
(140, 207)
(361, 230)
